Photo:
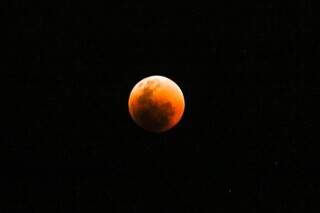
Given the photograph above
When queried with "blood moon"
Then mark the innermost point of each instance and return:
(156, 103)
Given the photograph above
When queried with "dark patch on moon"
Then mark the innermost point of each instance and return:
(150, 114)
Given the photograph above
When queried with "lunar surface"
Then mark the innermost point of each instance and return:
(156, 103)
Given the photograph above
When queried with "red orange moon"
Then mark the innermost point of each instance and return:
(156, 103)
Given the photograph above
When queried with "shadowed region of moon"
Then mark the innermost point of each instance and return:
(155, 116)
(152, 104)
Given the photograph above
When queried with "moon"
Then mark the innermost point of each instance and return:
(156, 103)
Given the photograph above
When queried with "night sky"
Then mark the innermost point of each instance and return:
(245, 142)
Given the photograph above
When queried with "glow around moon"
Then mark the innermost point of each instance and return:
(156, 103)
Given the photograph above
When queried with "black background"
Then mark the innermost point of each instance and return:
(68, 143)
